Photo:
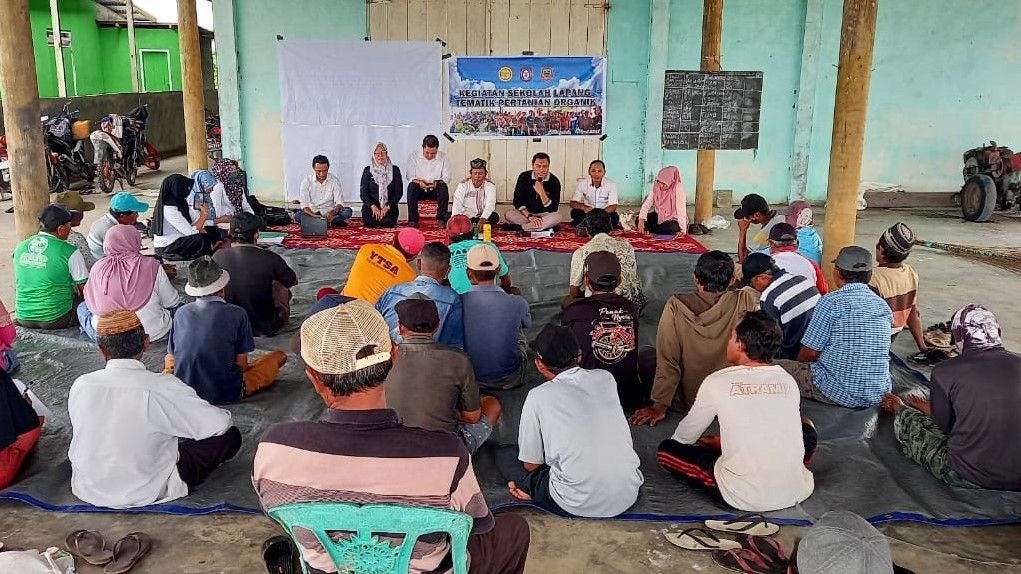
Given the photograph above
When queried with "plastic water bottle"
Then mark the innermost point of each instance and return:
(487, 232)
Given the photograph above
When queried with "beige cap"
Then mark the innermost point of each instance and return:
(332, 339)
(483, 257)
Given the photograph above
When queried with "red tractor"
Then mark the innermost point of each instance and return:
(992, 181)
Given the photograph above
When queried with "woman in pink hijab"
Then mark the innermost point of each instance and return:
(8, 360)
(664, 211)
(126, 279)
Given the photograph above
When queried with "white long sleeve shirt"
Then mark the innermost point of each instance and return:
(222, 205)
(474, 202)
(598, 197)
(125, 423)
(320, 197)
(175, 226)
(436, 169)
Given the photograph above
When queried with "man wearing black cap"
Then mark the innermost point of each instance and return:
(788, 298)
(606, 328)
(448, 399)
(845, 353)
(574, 456)
(49, 274)
(897, 282)
(783, 247)
(260, 279)
(754, 209)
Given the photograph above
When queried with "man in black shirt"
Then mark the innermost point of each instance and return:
(536, 198)
(260, 279)
(606, 328)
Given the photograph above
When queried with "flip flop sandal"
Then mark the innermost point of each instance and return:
(90, 546)
(750, 524)
(770, 549)
(128, 551)
(700, 539)
(745, 560)
(279, 555)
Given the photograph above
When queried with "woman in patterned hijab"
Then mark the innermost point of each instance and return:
(975, 328)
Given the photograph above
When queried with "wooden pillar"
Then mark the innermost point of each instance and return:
(58, 50)
(194, 96)
(20, 93)
(705, 171)
(133, 51)
(854, 71)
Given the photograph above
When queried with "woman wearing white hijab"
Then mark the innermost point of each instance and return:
(381, 190)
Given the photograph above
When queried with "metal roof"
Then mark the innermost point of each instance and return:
(115, 12)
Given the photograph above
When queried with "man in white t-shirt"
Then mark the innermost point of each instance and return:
(574, 456)
(596, 192)
(321, 195)
(428, 173)
(758, 462)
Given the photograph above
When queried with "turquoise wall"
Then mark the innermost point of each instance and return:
(257, 23)
(944, 80)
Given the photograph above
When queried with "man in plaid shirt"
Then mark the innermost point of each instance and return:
(844, 358)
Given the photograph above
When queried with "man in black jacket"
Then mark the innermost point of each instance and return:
(536, 198)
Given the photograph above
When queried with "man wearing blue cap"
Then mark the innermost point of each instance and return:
(124, 210)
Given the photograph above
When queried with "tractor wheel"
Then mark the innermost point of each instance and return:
(978, 198)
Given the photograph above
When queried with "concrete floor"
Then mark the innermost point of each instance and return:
(230, 543)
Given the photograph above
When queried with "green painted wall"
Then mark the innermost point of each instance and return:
(256, 76)
(79, 18)
(117, 63)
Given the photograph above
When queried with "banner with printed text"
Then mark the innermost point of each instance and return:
(508, 97)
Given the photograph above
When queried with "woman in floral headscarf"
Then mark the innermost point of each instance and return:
(966, 432)
(228, 194)
(381, 189)
(799, 215)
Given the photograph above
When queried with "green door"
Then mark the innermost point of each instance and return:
(155, 71)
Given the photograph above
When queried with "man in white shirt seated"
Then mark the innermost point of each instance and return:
(321, 195)
(475, 197)
(126, 425)
(575, 456)
(758, 463)
(596, 192)
(428, 173)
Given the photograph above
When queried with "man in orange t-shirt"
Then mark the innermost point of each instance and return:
(377, 267)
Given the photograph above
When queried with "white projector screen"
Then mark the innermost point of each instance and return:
(339, 98)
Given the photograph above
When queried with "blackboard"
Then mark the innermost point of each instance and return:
(711, 110)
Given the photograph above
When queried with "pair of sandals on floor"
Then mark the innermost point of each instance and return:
(752, 551)
(91, 546)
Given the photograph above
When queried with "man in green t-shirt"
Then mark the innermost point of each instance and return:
(461, 238)
(49, 274)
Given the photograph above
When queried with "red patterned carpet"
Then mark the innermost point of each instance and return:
(355, 235)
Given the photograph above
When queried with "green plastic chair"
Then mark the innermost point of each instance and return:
(365, 553)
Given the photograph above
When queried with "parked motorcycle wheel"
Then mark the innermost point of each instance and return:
(978, 198)
(58, 178)
(107, 177)
(131, 173)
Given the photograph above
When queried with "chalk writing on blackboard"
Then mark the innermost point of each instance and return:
(711, 110)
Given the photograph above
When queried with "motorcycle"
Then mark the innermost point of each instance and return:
(137, 149)
(65, 152)
(214, 141)
(5, 170)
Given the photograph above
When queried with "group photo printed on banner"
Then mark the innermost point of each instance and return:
(526, 96)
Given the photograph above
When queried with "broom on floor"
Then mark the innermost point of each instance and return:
(1008, 258)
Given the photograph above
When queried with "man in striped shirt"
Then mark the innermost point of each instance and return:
(786, 297)
(360, 453)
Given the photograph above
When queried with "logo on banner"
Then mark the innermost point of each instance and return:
(546, 73)
(526, 74)
(506, 74)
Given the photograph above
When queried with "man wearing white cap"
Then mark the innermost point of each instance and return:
(360, 452)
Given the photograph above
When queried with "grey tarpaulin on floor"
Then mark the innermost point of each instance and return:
(858, 465)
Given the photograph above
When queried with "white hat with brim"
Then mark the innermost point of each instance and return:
(214, 287)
